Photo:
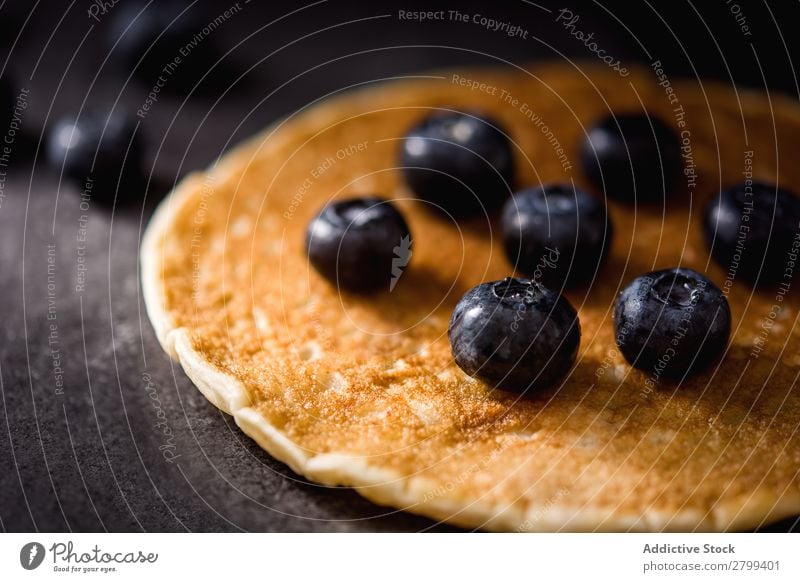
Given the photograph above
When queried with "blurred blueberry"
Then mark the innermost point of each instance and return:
(633, 158)
(746, 227)
(461, 162)
(149, 40)
(556, 234)
(106, 148)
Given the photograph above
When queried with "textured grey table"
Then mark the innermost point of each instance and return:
(100, 430)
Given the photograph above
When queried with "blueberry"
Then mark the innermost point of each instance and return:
(630, 160)
(745, 226)
(556, 234)
(145, 38)
(361, 244)
(104, 147)
(514, 334)
(671, 323)
(458, 161)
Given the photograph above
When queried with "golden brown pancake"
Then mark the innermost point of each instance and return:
(362, 391)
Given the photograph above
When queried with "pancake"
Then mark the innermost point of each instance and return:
(362, 391)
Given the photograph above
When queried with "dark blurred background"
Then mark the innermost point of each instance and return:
(87, 393)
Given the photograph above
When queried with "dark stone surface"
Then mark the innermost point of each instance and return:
(91, 457)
